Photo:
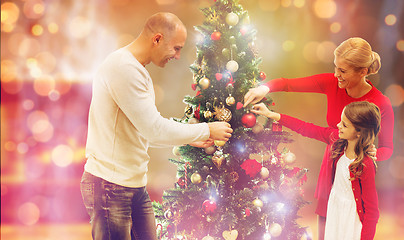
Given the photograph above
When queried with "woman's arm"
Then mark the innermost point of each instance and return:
(317, 84)
(385, 138)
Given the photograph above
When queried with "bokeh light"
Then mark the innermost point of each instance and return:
(335, 27)
(28, 213)
(269, 5)
(62, 155)
(390, 19)
(34, 9)
(80, 27)
(325, 8)
(299, 3)
(37, 30)
(396, 94)
(400, 45)
(9, 13)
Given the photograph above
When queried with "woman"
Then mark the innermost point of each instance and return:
(354, 60)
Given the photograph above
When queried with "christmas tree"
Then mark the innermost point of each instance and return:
(244, 188)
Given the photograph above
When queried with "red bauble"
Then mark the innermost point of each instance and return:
(209, 206)
(263, 76)
(215, 36)
(248, 120)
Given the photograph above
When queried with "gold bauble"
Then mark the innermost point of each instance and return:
(176, 151)
(210, 150)
(223, 114)
(204, 83)
(219, 143)
(196, 178)
(258, 203)
(208, 114)
(230, 100)
(218, 160)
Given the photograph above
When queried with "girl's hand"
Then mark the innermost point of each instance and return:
(255, 95)
(372, 152)
(261, 109)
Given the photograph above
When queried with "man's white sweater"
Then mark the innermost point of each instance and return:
(124, 121)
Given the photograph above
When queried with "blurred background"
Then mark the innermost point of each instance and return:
(50, 50)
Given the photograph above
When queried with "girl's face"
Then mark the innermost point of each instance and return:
(346, 129)
(347, 76)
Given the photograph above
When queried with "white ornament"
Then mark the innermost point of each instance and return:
(230, 235)
(232, 19)
(257, 128)
(176, 151)
(264, 173)
(275, 229)
(289, 158)
(232, 66)
(208, 238)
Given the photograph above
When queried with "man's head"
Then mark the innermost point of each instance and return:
(167, 35)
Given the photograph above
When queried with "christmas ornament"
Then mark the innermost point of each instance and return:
(234, 177)
(275, 229)
(264, 173)
(208, 238)
(218, 76)
(232, 66)
(239, 105)
(181, 182)
(215, 36)
(232, 39)
(243, 31)
(231, 19)
(276, 126)
(247, 212)
(248, 120)
(188, 111)
(219, 143)
(289, 157)
(208, 114)
(258, 203)
(263, 185)
(204, 83)
(218, 160)
(226, 53)
(176, 151)
(168, 214)
(234, 48)
(251, 167)
(209, 206)
(196, 178)
(230, 100)
(193, 121)
(223, 114)
(257, 128)
(230, 235)
(263, 75)
(210, 150)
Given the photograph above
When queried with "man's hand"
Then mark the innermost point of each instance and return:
(202, 144)
(255, 95)
(220, 131)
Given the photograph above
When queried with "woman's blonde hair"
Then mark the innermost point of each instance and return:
(358, 53)
(366, 118)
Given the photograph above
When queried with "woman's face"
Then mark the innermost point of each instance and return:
(346, 74)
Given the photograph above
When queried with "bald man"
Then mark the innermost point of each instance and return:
(123, 123)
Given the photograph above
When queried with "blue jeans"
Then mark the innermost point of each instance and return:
(117, 212)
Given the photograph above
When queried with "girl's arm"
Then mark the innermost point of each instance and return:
(370, 200)
(327, 135)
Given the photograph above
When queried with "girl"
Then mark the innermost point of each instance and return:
(354, 60)
(352, 211)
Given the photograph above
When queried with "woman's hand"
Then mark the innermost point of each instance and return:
(261, 109)
(372, 152)
(255, 95)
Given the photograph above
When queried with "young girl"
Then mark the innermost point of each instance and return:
(352, 211)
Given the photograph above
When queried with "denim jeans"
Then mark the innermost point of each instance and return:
(117, 212)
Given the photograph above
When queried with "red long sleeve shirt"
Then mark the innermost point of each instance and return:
(337, 99)
(364, 189)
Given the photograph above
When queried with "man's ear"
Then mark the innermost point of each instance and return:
(157, 38)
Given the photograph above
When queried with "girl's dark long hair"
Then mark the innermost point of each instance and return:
(365, 117)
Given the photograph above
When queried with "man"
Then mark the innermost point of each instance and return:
(123, 122)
